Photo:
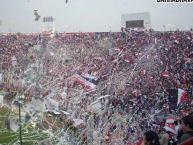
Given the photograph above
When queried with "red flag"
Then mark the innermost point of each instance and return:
(182, 95)
(170, 127)
(77, 78)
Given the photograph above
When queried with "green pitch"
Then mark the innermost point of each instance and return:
(30, 135)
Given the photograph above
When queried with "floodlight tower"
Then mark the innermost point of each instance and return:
(48, 24)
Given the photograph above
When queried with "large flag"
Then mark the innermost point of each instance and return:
(80, 80)
(182, 95)
(169, 125)
(176, 96)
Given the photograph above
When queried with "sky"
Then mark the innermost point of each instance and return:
(90, 15)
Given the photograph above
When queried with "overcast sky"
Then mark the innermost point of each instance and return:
(90, 15)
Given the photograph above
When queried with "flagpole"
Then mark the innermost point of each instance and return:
(20, 126)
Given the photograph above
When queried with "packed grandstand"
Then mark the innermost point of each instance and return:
(103, 87)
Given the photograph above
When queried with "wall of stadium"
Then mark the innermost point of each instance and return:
(136, 19)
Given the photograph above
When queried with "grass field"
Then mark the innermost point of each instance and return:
(30, 135)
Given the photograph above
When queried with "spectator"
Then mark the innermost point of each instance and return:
(187, 127)
(136, 83)
(151, 138)
(164, 140)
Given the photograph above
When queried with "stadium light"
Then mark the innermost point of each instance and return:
(19, 103)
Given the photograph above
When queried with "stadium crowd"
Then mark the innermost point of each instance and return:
(120, 84)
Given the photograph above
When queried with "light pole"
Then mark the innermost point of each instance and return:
(19, 102)
(164, 27)
(20, 123)
(109, 28)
